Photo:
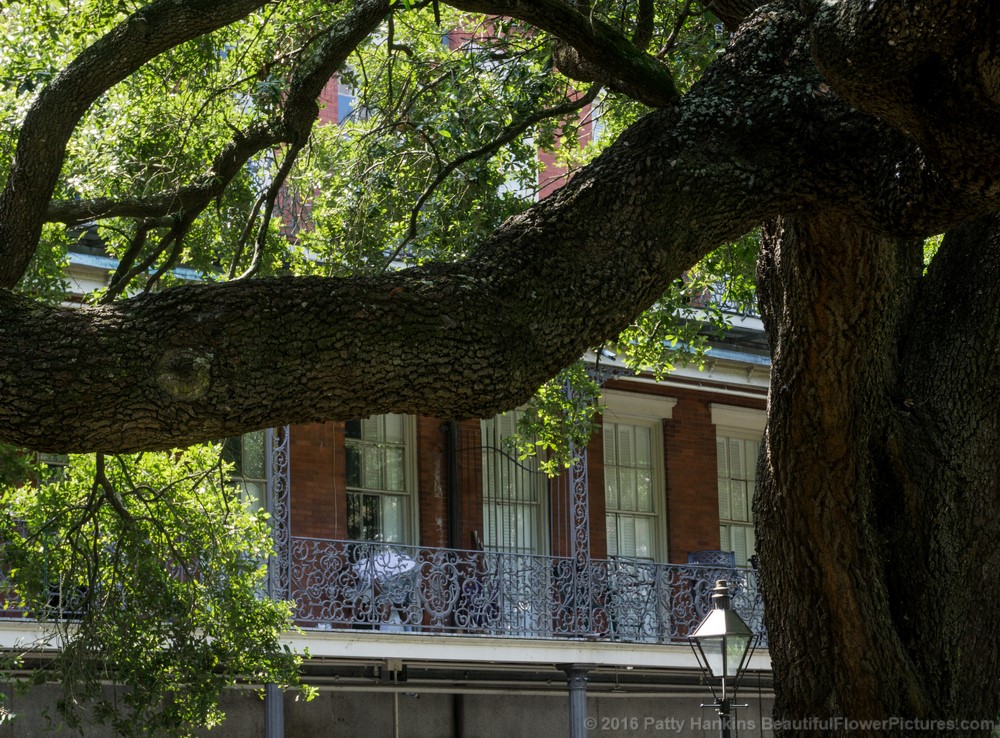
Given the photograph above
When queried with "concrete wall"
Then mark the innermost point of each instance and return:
(335, 714)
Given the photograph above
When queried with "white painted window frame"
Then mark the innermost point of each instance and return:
(740, 423)
(645, 410)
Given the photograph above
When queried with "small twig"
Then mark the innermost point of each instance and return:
(175, 253)
(135, 247)
(245, 234)
(671, 40)
(510, 133)
(119, 285)
(110, 493)
(272, 195)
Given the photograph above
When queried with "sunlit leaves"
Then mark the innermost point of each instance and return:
(156, 542)
(151, 571)
(559, 420)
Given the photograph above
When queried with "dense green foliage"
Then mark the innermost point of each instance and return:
(149, 571)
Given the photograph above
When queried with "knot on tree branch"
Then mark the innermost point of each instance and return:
(185, 373)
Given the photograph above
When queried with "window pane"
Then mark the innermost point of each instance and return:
(626, 445)
(721, 458)
(611, 488)
(377, 465)
(626, 532)
(626, 493)
(610, 459)
(612, 528)
(525, 535)
(253, 494)
(505, 530)
(490, 524)
(353, 466)
(738, 540)
(512, 491)
(724, 499)
(736, 484)
(371, 518)
(740, 502)
(737, 469)
(642, 446)
(393, 428)
(643, 538)
(630, 490)
(645, 490)
(392, 519)
(232, 452)
(371, 476)
(355, 519)
(394, 469)
(253, 455)
(753, 449)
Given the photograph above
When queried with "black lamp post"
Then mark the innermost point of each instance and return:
(723, 644)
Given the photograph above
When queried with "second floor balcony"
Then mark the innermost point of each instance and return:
(339, 584)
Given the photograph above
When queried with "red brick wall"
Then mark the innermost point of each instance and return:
(692, 498)
(316, 469)
(691, 506)
(692, 472)
(432, 476)
(469, 483)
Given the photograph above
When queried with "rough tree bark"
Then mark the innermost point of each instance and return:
(759, 136)
(859, 127)
(878, 477)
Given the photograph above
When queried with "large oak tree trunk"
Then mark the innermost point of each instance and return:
(877, 481)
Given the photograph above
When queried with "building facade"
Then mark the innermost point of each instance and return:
(445, 587)
(471, 594)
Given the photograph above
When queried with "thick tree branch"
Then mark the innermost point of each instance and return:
(193, 197)
(929, 69)
(833, 339)
(208, 361)
(41, 148)
(757, 137)
(623, 66)
(948, 403)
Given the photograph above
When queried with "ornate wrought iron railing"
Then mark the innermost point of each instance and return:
(374, 586)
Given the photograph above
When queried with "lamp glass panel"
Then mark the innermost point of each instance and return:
(736, 646)
(712, 648)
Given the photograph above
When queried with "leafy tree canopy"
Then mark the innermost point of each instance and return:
(147, 570)
(182, 133)
(148, 567)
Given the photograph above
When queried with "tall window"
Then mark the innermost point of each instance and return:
(246, 454)
(513, 492)
(737, 461)
(378, 497)
(629, 490)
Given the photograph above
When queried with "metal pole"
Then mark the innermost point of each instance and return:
(725, 715)
(395, 714)
(276, 504)
(274, 712)
(577, 678)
